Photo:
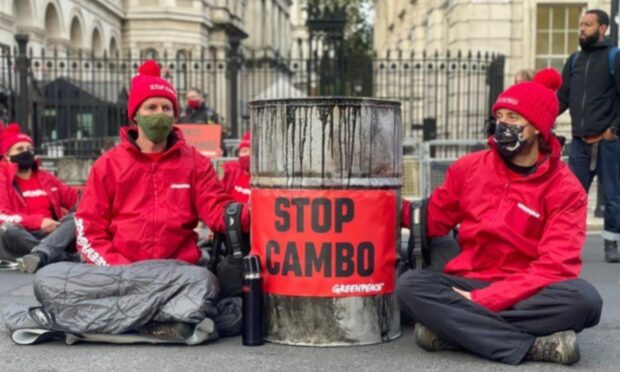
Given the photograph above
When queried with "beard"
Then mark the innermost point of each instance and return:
(589, 40)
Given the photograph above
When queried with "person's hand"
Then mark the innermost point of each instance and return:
(463, 293)
(608, 135)
(48, 225)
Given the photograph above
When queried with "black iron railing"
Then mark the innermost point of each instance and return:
(63, 96)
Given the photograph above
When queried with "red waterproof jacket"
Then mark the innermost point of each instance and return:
(13, 206)
(236, 182)
(134, 208)
(522, 233)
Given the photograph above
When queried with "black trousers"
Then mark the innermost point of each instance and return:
(427, 296)
(16, 242)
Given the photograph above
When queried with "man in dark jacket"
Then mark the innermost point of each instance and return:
(590, 91)
(197, 111)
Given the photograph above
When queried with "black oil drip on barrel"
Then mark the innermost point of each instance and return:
(351, 139)
(300, 152)
(290, 136)
(331, 134)
(373, 119)
(311, 135)
(324, 116)
(360, 153)
(339, 153)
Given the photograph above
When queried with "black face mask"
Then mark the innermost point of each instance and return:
(24, 160)
(509, 139)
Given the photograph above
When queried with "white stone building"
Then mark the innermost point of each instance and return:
(299, 30)
(67, 25)
(206, 32)
(530, 33)
(148, 28)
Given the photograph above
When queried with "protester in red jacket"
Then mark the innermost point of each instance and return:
(144, 197)
(33, 204)
(521, 217)
(236, 180)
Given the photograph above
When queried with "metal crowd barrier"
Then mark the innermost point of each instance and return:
(231, 146)
(436, 156)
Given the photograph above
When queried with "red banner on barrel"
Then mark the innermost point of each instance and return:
(325, 243)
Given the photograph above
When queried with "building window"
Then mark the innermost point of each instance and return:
(557, 29)
(84, 125)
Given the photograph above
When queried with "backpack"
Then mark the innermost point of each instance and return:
(228, 251)
(434, 252)
(611, 58)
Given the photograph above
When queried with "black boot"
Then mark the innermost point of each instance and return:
(427, 340)
(174, 331)
(611, 251)
(560, 347)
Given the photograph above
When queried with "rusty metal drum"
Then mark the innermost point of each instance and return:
(326, 180)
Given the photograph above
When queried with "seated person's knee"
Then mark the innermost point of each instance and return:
(587, 299)
(412, 280)
(9, 229)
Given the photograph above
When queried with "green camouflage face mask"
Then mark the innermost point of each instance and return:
(156, 127)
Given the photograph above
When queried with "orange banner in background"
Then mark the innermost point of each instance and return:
(206, 138)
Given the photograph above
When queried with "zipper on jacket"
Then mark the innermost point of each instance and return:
(585, 93)
(153, 167)
(506, 186)
(19, 193)
(501, 201)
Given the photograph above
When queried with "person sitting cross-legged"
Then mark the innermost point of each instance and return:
(36, 227)
(512, 293)
(144, 198)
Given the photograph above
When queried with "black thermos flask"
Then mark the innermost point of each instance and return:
(252, 296)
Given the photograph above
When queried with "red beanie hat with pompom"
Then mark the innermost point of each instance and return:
(147, 84)
(11, 135)
(535, 100)
(245, 141)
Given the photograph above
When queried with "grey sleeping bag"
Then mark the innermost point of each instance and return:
(88, 299)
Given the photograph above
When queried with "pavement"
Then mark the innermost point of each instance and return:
(593, 223)
(600, 346)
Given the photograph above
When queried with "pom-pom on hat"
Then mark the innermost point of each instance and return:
(11, 135)
(535, 100)
(245, 141)
(148, 83)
